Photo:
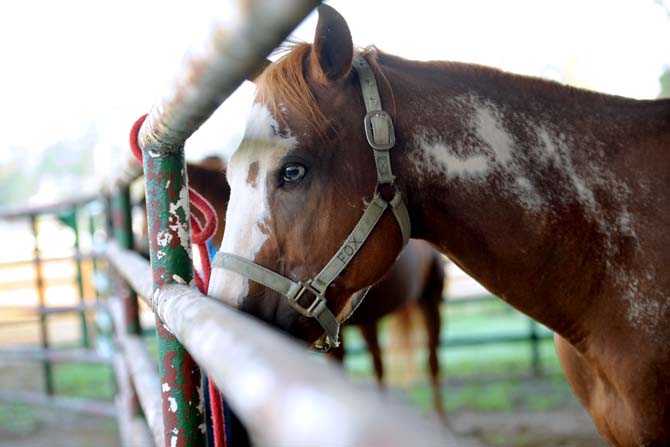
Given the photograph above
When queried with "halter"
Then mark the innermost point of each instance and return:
(381, 137)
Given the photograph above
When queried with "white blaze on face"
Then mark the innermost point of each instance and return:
(248, 210)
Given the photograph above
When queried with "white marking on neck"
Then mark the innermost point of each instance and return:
(585, 178)
(438, 157)
(471, 160)
(488, 125)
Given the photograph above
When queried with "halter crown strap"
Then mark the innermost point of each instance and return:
(381, 137)
(378, 124)
(380, 134)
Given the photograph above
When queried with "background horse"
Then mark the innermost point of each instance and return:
(417, 279)
(554, 198)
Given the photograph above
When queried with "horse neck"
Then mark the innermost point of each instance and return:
(520, 181)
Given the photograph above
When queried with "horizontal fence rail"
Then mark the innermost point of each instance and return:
(98, 408)
(53, 355)
(23, 212)
(142, 371)
(281, 394)
(236, 51)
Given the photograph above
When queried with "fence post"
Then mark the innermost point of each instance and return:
(80, 278)
(172, 262)
(123, 234)
(119, 208)
(41, 297)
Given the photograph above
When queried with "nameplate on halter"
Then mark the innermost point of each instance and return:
(352, 244)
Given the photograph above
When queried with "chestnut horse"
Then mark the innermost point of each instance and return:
(416, 279)
(554, 198)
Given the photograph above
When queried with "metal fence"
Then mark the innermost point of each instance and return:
(281, 394)
(69, 214)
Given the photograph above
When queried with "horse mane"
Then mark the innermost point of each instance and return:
(283, 85)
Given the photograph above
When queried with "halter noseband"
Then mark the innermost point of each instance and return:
(380, 135)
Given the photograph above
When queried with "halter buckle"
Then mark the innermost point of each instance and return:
(313, 309)
(379, 130)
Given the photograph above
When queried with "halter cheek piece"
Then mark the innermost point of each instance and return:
(380, 135)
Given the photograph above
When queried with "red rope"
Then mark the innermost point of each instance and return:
(199, 235)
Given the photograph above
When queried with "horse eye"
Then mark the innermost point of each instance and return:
(292, 173)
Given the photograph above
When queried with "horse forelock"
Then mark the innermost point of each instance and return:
(283, 86)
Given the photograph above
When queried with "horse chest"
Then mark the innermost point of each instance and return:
(627, 395)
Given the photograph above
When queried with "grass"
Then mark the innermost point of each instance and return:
(488, 377)
(84, 380)
(17, 418)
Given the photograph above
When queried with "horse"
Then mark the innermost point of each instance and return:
(554, 198)
(417, 279)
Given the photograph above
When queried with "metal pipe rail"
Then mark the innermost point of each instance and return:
(54, 355)
(96, 407)
(24, 310)
(133, 427)
(52, 208)
(283, 395)
(236, 49)
(142, 372)
(74, 257)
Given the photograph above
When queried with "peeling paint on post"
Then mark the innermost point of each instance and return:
(235, 51)
(171, 261)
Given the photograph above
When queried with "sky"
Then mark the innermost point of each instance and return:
(73, 65)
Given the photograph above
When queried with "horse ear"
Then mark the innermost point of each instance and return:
(333, 49)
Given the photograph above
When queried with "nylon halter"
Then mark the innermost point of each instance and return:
(381, 137)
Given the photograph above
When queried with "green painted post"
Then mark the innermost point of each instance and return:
(121, 217)
(85, 341)
(41, 296)
(94, 260)
(119, 208)
(123, 233)
(172, 262)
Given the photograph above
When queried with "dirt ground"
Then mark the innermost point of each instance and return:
(58, 428)
(556, 428)
(564, 428)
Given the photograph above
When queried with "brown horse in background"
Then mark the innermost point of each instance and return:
(555, 199)
(417, 279)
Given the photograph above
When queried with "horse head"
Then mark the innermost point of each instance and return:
(301, 180)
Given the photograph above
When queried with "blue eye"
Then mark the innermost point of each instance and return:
(292, 173)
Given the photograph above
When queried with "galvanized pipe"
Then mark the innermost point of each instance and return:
(53, 355)
(237, 48)
(87, 406)
(132, 427)
(52, 208)
(283, 395)
(142, 372)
